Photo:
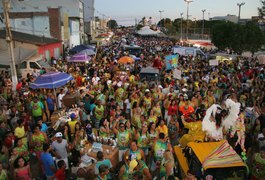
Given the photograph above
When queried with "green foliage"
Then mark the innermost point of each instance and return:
(112, 24)
(262, 9)
(237, 37)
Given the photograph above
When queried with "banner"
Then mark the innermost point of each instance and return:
(171, 61)
(177, 74)
(213, 62)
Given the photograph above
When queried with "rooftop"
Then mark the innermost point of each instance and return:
(29, 38)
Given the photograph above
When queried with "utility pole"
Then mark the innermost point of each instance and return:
(6, 5)
(239, 6)
(187, 27)
(203, 11)
(181, 18)
(160, 11)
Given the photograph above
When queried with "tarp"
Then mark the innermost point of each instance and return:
(19, 53)
(146, 31)
(216, 155)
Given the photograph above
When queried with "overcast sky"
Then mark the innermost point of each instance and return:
(126, 11)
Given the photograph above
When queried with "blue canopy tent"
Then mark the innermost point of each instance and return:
(79, 48)
(51, 80)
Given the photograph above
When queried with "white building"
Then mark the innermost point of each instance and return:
(229, 17)
(89, 13)
(60, 19)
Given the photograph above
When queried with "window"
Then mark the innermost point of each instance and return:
(23, 65)
(23, 23)
(33, 65)
(189, 51)
(199, 53)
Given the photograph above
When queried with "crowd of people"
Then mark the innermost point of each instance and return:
(147, 118)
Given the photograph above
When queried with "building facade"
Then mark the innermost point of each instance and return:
(60, 19)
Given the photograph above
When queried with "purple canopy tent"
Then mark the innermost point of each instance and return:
(79, 57)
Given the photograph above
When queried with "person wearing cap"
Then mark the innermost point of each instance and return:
(60, 148)
(133, 168)
(120, 95)
(148, 99)
(72, 123)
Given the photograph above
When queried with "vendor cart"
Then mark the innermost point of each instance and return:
(216, 159)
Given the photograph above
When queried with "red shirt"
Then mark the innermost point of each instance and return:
(186, 112)
(172, 110)
(60, 174)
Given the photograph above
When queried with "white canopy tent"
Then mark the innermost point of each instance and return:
(146, 31)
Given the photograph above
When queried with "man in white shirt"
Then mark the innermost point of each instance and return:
(261, 138)
(60, 98)
(60, 148)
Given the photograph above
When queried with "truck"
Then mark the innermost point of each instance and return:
(27, 66)
(186, 51)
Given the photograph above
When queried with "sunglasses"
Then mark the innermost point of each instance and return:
(121, 126)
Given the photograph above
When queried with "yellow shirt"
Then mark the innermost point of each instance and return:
(72, 126)
(20, 132)
(162, 129)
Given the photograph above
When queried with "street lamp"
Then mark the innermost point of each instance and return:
(181, 16)
(187, 28)
(160, 11)
(203, 11)
(239, 6)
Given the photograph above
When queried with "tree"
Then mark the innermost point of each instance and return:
(262, 9)
(254, 37)
(112, 24)
(240, 38)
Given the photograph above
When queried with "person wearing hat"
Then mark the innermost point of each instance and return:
(120, 95)
(60, 148)
(72, 123)
(133, 168)
(148, 99)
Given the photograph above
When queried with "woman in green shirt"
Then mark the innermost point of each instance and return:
(104, 129)
(258, 162)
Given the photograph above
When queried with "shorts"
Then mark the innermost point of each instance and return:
(121, 153)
